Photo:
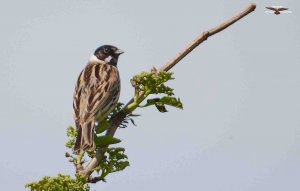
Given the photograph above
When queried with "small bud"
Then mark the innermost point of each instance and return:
(67, 154)
(71, 160)
(154, 70)
(133, 83)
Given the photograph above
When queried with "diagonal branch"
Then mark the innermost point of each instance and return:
(119, 117)
(204, 36)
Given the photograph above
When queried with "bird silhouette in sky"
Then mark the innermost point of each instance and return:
(277, 10)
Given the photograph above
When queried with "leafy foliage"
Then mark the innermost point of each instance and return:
(60, 183)
(113, 161)
(106, 140)
(72, 134)
(154, 83)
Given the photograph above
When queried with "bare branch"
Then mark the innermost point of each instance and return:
(204, 36)
(119, 117)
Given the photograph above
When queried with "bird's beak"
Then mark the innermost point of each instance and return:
(119, 51)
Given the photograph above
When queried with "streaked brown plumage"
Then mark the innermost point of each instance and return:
(96, 94)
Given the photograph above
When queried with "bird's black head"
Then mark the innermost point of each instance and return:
(108, 54)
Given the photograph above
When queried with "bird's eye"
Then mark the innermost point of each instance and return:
(106, 50)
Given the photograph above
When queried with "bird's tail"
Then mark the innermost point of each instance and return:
(85, 137)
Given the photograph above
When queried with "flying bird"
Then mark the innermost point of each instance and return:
(276, 9)
(96, 94)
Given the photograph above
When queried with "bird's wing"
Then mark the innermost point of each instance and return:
(97, 86)
(271, 8)
(77, 97)
(106, 94)
(282, 9)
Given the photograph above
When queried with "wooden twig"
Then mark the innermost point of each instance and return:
(119, 117)
(204, 36)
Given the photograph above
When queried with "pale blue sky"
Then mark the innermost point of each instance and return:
(240, 127)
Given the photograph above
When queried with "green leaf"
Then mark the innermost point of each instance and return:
(102, 126)
(161, 108)
(161, 102)
(151, 102)
(163, 89)
(114, 160)
(172, 101)
(106, 140)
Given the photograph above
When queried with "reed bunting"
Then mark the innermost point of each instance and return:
(96, 94)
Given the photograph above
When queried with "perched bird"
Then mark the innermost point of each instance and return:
(96, 94)
(277, 9)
